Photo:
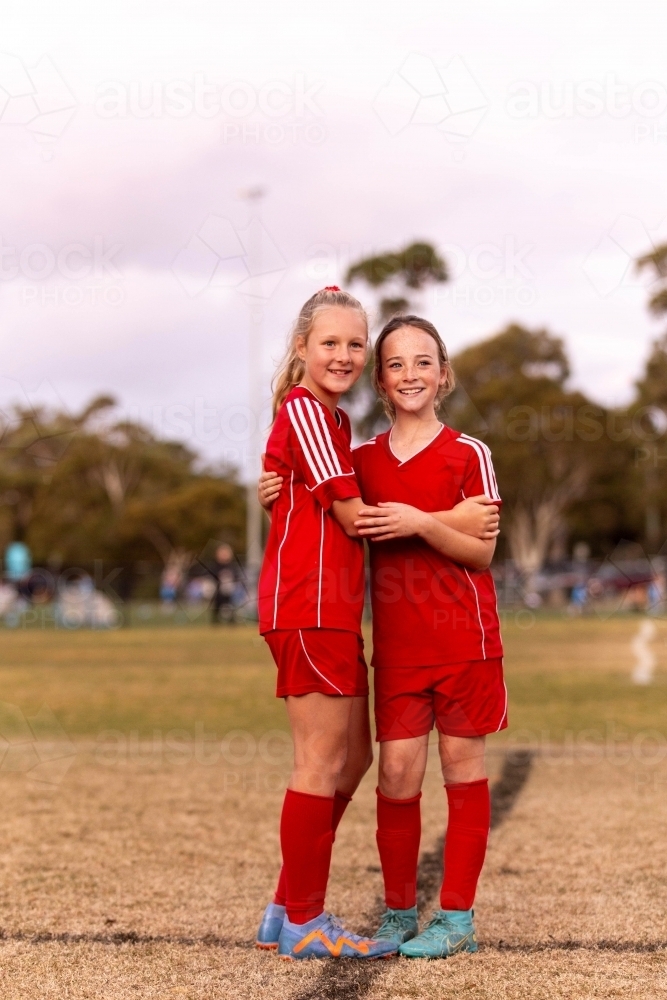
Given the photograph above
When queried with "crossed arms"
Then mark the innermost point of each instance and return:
(467, 533)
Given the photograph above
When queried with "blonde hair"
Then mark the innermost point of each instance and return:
(291, 369)
(417, 323)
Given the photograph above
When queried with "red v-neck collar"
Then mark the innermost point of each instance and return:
(421, 451)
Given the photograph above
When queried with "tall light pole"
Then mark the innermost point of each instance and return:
(253, 196)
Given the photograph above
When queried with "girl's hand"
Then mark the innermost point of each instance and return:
(476, 516)
(390, 520)
(268, 488)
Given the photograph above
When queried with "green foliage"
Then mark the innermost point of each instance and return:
(656, 261)
(544, 438)
(407, 270)
(652, 386)
(417, 265)
(82, 488)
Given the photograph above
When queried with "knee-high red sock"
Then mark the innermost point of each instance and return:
(306, 839)
(398, 835)
(465, 843)
(340, 804)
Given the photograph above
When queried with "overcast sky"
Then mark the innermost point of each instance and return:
(527, 140)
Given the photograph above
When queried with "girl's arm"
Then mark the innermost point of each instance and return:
(477, 516)
(388, 521)
(347, 513)
(268, 488)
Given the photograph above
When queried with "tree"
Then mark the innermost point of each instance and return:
(512, 392)
(656, 261)
(399, 274)
(180, 524)
(410, 269)
(650, 407)
(86, 488)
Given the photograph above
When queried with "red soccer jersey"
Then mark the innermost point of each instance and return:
(428, 609)
(313, 573)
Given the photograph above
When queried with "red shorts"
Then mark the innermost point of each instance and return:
(327, 660)
(462, 699)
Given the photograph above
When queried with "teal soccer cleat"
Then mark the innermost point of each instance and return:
(397, 926)
(325, 937)
(448, 933)
(270, 927)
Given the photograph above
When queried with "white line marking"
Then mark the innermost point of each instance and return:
(289, 514)
(319, 585)
(644, 655)
(315, 668)
(479, 613)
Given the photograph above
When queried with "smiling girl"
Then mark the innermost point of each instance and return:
(437, 650)
(311, 595)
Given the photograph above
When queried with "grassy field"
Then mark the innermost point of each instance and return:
(142, 772)
(564, 677)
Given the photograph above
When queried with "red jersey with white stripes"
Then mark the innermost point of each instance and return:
(313, 573)
(428, 609)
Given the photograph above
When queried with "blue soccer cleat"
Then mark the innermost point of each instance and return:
(270, 927)
(397, 926)
(448, 933)
(325, 937)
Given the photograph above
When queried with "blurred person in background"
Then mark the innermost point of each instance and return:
(170, 583)
(227, 580)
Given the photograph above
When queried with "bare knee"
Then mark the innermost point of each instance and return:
(462, 759)
(400, 776)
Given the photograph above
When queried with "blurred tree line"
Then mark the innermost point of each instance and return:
(569, 469)
(88, 491)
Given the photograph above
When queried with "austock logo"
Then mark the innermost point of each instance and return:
(36, 98)
(273, 112)
(422, 92)
(223, 257)
(36, 746)
(610, 265)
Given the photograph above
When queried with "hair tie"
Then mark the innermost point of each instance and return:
(331, 288)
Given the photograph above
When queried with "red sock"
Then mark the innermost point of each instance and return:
(306, 839)
(340, 804)
(398, 835)
(465, 843)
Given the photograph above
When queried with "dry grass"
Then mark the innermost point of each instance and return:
(144, 871)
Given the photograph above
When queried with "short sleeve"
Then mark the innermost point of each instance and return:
(479, 476)
(322, 452)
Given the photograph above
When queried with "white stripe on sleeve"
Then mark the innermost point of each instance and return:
(302, 441)
(482, 463)
(489, 465)
(485, 465)
(492, 471)
(332, 450)
(315, 448)
(315, 411)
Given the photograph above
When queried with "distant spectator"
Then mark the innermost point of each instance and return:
(578, 598)
(227, 579)
(200, 589)
(18, 561)
(656, 593)
(170, 583)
